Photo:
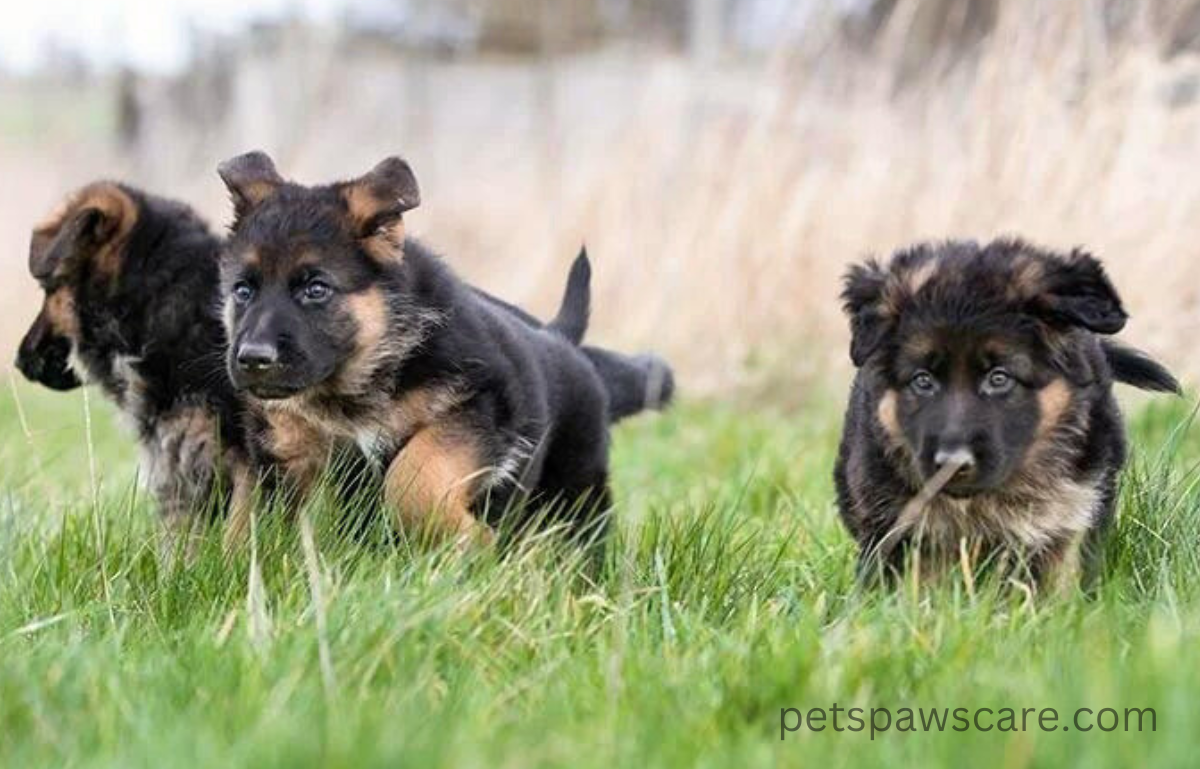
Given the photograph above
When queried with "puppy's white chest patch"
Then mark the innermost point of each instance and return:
(131, 388)
(373, 443)
(511, 466)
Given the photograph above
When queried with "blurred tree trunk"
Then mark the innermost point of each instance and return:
(129, 112)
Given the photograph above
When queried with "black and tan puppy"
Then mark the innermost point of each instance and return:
(340, 327)
(984, 369)
(130, 284)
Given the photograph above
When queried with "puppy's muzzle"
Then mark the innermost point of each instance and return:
(44, 357)
(961, 456)
(257, 357)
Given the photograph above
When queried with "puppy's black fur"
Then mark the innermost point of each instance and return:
(130, 284)
(991, 356)
(343, 328)
(634, 383)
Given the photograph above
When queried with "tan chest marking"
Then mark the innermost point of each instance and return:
(304, 440)
(300, 445)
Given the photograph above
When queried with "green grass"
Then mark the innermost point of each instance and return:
(729, 596)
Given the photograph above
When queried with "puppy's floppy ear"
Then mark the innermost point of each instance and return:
(251, 178)
(43, 259)
(862, 299)
(376, 201)
(92, 222)
(1076, 291)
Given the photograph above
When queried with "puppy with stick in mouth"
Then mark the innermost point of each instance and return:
(982, 418)
(342, 328)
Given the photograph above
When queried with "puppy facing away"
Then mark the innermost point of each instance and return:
(341, 328)
(130, 283)
(982, 419)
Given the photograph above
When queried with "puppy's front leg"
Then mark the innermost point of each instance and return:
(430, 484)
(241, 507)
(1058, 570)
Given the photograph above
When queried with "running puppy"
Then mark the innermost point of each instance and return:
(341, 328)
(985, 368)
(130, 283)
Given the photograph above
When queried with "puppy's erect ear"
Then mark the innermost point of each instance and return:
(91, 223)
(862, 299)
(376, 201)
(251, 178)
(1076, 291)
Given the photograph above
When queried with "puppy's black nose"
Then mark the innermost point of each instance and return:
(257, 356)
(29, 365)
(961, 456)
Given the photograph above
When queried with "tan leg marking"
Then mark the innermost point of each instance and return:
(1062, 571)
(241, 507)
(431, 483)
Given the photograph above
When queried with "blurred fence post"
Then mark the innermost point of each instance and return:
(129, 113)
(704, 30)
(552, 35)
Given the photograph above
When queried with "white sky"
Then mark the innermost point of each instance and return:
(148, 34)
(152, 34)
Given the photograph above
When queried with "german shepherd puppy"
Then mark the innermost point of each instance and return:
(340, 327)
(985, 368)
(130, 284)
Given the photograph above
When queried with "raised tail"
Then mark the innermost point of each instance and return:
(634, 383)
(576, 308)
(1134, 367)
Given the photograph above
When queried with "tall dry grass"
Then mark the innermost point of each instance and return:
(721, 203)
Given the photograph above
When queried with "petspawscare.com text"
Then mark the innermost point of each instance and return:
(878, 720)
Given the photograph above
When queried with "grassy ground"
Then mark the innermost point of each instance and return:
(728, 597)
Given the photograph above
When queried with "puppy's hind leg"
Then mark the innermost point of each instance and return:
(576, 494)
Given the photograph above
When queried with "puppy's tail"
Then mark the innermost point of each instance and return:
(576, 308)
(634, 383)
(1134, 367)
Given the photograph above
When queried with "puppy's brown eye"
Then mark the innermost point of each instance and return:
(923, 383)
(317, 291)
(998, 382)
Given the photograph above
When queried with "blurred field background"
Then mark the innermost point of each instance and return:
(722, 159)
